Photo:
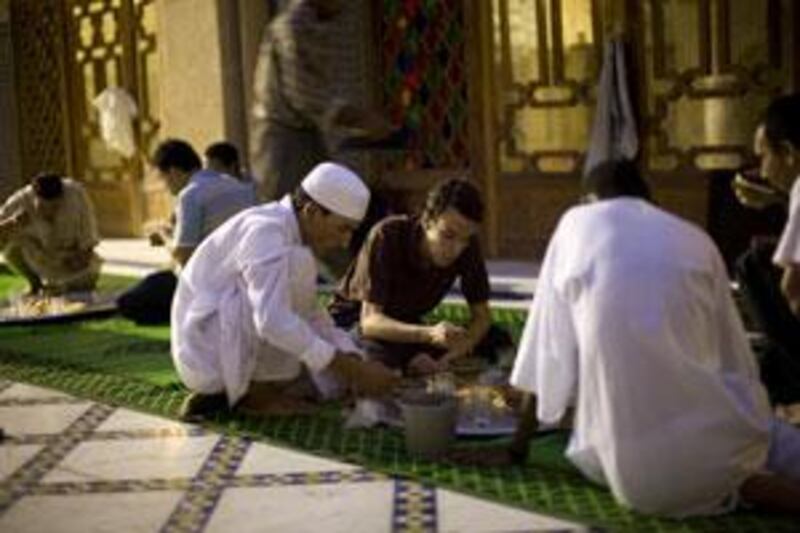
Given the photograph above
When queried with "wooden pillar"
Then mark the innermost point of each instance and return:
(253, 17)
(483, 124)
(193, 102)
(10, 177)
(795, 46)
(232, 71)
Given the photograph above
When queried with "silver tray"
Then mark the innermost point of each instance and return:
(99, 306)
(499, 425)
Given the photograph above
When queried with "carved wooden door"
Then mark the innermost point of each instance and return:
(112, 44)
(66, 53)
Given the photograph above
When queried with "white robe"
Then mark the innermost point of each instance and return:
(634, 324)
(246, 307)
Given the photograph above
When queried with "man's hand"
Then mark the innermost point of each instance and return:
(755, 195)
(360, 122)
(12, 224)
(366, 378)
(460, 348)
(445, 335)
(161, 234)
(156, 239)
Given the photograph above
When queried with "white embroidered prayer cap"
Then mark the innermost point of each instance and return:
(338, 189)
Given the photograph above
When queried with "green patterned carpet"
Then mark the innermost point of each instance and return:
(118, 363)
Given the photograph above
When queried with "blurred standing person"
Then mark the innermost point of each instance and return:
(300, 103)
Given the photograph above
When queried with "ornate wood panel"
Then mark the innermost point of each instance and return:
(710, 68)
(66, 53)
(702, 71)
(38, 40)
(9, 165)
(112, 44)
(546, 55)
(543, 62)
(425, 80)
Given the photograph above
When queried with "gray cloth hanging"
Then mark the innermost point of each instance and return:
(614, 135)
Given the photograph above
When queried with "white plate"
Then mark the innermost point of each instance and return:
(498, 426)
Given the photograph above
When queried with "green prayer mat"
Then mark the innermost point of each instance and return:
(117, 362)
(12, 285)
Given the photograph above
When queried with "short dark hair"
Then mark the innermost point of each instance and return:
(48, 186)
(456, 193)
(176, 153)
(224, 152)
(782, 121)
(621, 177)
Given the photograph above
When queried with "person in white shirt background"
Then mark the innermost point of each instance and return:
(634, 326)
(245, 311)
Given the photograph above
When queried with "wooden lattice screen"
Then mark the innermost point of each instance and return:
(67, 52)
(425, 80)
(112, 44)
(38, 38)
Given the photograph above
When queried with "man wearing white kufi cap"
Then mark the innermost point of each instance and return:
(246, 325)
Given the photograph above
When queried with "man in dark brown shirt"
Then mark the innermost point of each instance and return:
(404, 270)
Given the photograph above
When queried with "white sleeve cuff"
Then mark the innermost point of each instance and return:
(318, 356)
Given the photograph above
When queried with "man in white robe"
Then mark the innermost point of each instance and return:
(245, 309)
(634, 326)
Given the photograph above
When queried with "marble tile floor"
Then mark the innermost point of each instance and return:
(69, 464)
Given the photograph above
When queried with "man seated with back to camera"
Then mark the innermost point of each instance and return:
(634, 327)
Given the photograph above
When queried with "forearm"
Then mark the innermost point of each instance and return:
(476, 330)
(9, 226)
(790, 286)
(182, 254)
(479, 324)
(379, 326)
(6, 231)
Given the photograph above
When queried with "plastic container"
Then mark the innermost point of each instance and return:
(430, 423)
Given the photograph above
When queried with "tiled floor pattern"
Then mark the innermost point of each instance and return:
(73, 465)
